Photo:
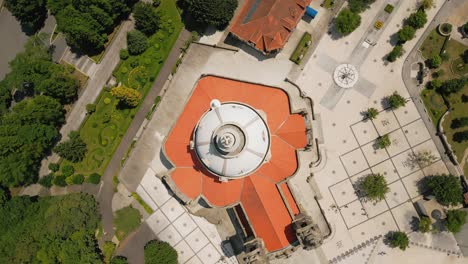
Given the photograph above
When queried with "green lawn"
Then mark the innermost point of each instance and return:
(434, 104)
(328, 4)
(459, 109)
(432, 44)
(126, 220)
(103, 130)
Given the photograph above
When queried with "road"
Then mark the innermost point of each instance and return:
(414, 56)
(107, 190)
(13, 39)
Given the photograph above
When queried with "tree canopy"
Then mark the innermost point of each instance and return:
(57, 229)
(396, 101)
(30, 13)
(212, 12)
(128, 97)
(147, 19)
(374, 187)
(87, 23)
(446, 188)
(74, 149)
(29, 129)
(158, 252)
(358, 6)
(406, 33)
(137, 42)
(417, 19)
(347, 21)
(455, 220)
(399, 240)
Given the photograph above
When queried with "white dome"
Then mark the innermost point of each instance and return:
(232, 140)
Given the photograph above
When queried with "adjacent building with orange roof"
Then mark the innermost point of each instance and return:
(267, 24)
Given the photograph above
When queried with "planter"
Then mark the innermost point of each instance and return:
(445, 29)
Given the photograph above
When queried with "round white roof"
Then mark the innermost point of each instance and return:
(231, 139)
(345, 75)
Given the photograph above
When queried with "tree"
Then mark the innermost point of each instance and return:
(460, 136)
(374, 187)
(58, 229)
(421, 159)
(446, 189)
(54, 167)
(427, 4)
(452, 86)
(417, 19)
(425, 224)
(347, 21)
(124, 54)
(119, 260)
(60, 86)
(67, 170)
(396, 101)
(455, 220)
(94, 178)
(465, 56)
(147, 19)
(396, 53)
(459, 122)
(358, 6)
(372, 113)
(40, 109)
(434, 84)
(383, 141)
(406, 33)
(434, 61)
(217, 13)
(158, 252)
(30, 13)
(137, 42)
(399, 240)
(74, 149)
(127, 96)
(90, 108)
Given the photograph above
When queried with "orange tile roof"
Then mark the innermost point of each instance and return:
(268, 23)
(258, 193)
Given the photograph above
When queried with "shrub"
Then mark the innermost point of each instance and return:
(389, 8)
(347, 21)
(124, 54)
(425, 224)
(455, 220)
(374, 187)
(465, 56)
(59, 180)
(434, 84)
(372, 113)
(446, 28)
(137, 42)
(434, 61)
(427, 4)
(127, 96)
(107, 100)
(399, 240)
(396, 53)
(67, 170)
(459, 122)
(147, 19)
(406, 33)
(75, 179)
(212, 12)
(46, 181)
(54, 167)
(119, 260)
(90, 108)
(94, 178)
(160, 252)
(417, 20)
(460, 136)
(396, 101)
(383, 141)
(446, 189)
(438, 74)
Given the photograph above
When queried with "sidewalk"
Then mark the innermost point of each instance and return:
(106, 193)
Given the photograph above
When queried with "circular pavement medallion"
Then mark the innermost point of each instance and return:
(345, 76)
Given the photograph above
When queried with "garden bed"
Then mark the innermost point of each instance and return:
(103, 130)
(301, 48)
